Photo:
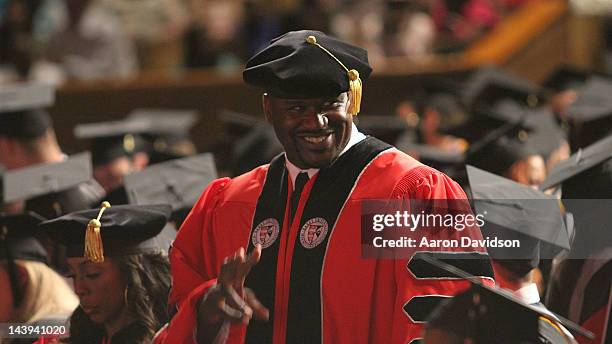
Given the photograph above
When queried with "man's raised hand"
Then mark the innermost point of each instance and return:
(229, 300)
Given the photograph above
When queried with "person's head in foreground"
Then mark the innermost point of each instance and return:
(31, 290)
(313, 90)
(117, 258)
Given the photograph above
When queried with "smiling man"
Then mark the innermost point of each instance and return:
(274, 255)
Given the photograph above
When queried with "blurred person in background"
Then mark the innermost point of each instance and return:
(115, 157)
(261, 24)
(441, 111)
(117, 149)
(27, 138)
(363, 24)
(18, 49)
(459, 22)
(155, 27)
(91, 43)
(409, 29)
(214, 38)
(311, 14)
(513, 157)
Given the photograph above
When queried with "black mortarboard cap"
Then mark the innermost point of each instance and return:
(511, 133)
(513, 211)
(178, 182)
(293, 67)
(107, 149)
(564, 78)
(436, 156)
(113, 139)
(593, 102)
(385, 128)
(21, 110)
(22, 97)
(501, 148)
(544, 133)
(491, 315)
(449, 107)
(44, 179)
(165, 121)
(430, 155)
(253, 141)
(54, 189)
(489, 84)
(117, 196)
(255, 148)
(167, 132)
(485, 127)
(584, 159)
(18, 232)
(590, 116)
(123, 230)
(586, 185)
(237, 124)
(18, 242)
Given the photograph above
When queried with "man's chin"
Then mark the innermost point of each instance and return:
(322, 161)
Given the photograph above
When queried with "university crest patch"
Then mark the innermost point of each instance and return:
(266, 233)
(313, 232)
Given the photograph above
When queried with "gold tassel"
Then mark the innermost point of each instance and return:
(355, 85)
(94, 249)
(355, 92)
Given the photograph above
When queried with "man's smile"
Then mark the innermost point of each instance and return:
(316, 141)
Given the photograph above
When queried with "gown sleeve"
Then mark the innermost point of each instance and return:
(193, 267)
(416, 297)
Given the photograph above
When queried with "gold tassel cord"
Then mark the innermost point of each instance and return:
(94, 249)
(355, 89)
(355, 85)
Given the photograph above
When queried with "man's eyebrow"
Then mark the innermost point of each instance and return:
(293, 101)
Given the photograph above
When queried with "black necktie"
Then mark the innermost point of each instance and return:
(300, 181)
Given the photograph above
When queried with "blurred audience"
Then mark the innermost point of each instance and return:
(17, 46)
(211, 39)
(91, 43)
(60, 40)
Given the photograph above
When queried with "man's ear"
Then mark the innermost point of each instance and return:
(265, 100)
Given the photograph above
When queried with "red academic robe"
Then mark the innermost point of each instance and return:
(360, 300)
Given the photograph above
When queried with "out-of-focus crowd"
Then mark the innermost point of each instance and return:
(60, 40)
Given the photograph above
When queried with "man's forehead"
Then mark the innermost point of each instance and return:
(342, 96)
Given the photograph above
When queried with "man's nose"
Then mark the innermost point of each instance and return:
(315, 120)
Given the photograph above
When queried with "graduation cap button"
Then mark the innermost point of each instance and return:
(532, 100)
(129, 143)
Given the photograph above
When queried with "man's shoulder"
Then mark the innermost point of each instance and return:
(399, 171)
(398, 164)
(243, 188)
